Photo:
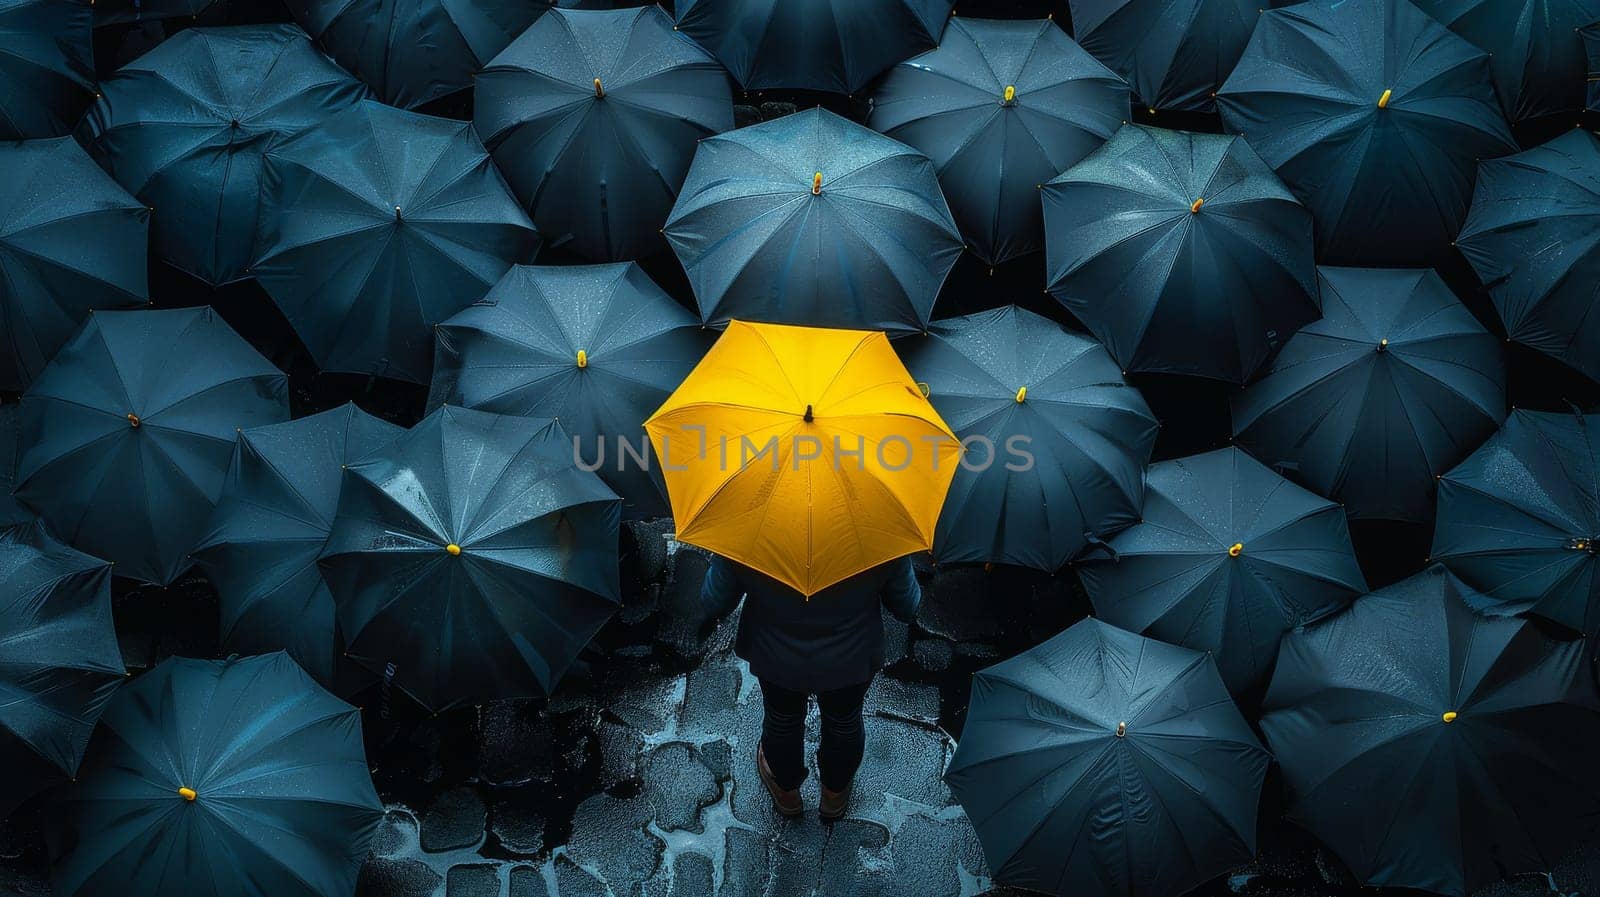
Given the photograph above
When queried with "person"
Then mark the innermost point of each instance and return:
(831, 646)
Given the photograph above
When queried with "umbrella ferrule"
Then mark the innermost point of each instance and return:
(1022, 393)
(583, 359)
(1122, 729)
(1194, 207)
(1383, 344)
(133, 420)
(1235, 549)
(1010, 96)
(397, 216)
(187, 793)
(453, 550)
(1449, 716)
(1383, 101)
(809, 416)
(816, 184)
(1582, 543)
(599, 91)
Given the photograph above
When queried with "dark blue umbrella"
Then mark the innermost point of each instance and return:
(184, 127)
(71, 240)
(471, 559)
(379, 224)
(1376, 116)
(1431, 747)
(1535, 52)
(414, 51)
(1226, 558)
(270, 525)
(59, 661)
(46, 66)
(832, 45)
(220, 778)
(1102, 764)
(1174, 54)
(1182, 252)
(1519, 519)
(597, 347)
(1396, 384)
(594, 116)
(1059, 440)
(1000, 107)
(813, 220)
(117, 12)
(127, 434)
(1533, 236)
(12, 512)
(1591, 46)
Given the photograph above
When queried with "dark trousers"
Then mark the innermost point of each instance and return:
(783, 734)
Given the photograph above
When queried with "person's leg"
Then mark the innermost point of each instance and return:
(844, 736)
(783, 733)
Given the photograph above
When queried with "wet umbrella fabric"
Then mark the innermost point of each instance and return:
(1591, 46)
(597, 347)
(1173, 55)
(118, 12)
(1431, 747)
(71, 240)
(473, 558)
(1376, 116)
(219, 778)
(830, 45)
(184, 127)
(1000, 107)
(1104, 763)
(1227, 557)
(807, 454)
(1182, 252)
(1048, 402)
(12, 512)
(128, 433)
(594, 117)
(378, 225)
(1518, 519)
(59, 660)
(1392, 387)
(412, 52)
(1533, 237)
(1535, 53)
(269, 528)
(46, 66)
(813, 220)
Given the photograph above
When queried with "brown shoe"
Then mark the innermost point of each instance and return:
(785, 800)
(834, 804)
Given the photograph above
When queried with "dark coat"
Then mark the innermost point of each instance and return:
(833, 640)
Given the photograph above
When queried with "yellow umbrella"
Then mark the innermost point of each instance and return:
(807, 454)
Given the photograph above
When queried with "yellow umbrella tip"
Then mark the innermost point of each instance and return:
(1011, 93)
(1195, 206)
(1022, 393)
(1383, 101)
(187, 793)
(453, 549)
(1449, 716)
(816, 184)
(583, 359)
(1235, 549)
(599, 91)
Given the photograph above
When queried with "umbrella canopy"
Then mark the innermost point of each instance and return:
(1103, 763)
(46, 66)
(1519, 519)
(1174, 55)
(1227, 557)
(378, 225)
(59, 661)
(270, 525)
(1000, 107)
(1535, 52)
(127, 434)
(1533, 237)
(832, 45)
(184, 126)
(1182, 252)
(597, 347)
(1376, 116)
(594, 116)
(1591, 45)
(812, 219)
(807, 454)
(216, 778)
(1431, 747)
(1066, 438)
(117, 12)
(1396, 384)
(414, 51)
(471, 559)
(12, 512)
(71, 240)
